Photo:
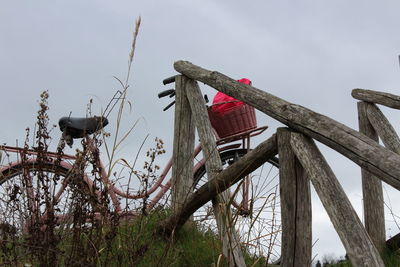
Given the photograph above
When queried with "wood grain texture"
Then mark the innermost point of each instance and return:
(183, 147)
(383, 127)
(374, 210)
(353, 235)
(386, 99)
(364, 151)
(295, 199)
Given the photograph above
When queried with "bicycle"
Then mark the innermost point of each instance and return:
(20, 181)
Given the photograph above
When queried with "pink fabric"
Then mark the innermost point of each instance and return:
(222, 98)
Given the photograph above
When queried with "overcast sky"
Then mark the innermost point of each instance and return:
(311, 53)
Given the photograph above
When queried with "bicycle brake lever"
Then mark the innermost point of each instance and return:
(170, 105)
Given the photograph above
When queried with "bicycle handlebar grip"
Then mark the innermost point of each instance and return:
(166, 93)
(169, 80)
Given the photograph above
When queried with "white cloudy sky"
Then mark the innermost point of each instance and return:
(308, 52)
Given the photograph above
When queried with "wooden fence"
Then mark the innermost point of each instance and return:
(301, 163)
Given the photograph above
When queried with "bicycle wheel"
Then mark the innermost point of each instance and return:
(259, 228)
(28, 190)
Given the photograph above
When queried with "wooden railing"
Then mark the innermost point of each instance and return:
(374, 124)
(301, 162)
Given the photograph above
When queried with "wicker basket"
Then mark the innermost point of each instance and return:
(234, 121)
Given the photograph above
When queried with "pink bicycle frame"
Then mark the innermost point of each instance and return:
(114, 192)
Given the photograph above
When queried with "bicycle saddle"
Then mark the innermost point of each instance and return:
(80, 127)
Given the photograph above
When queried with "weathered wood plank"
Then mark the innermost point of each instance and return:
(295, 199)
(183, 147)
(222, 211)
(353, 235)
(352, 144)
(229, 176)
(386, 99)
(374, 211)
(383, 128)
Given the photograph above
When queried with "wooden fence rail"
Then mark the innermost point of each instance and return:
(352, 144)
(300, 163)
(386, 99)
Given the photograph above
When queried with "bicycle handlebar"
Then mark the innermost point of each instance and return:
(170, 92)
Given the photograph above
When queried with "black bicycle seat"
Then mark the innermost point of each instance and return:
(80, 127)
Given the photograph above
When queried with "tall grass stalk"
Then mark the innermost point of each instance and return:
(123, 101)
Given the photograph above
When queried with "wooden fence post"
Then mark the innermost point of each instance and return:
(183, 147)
(374, 214)
(295, 206)
(222, 212)
(353, 235)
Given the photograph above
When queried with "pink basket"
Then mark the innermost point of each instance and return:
(234, 121)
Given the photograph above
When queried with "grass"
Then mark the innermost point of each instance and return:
(136, 244)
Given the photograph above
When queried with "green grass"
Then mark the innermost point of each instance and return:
(189, 247)
(134, 243)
